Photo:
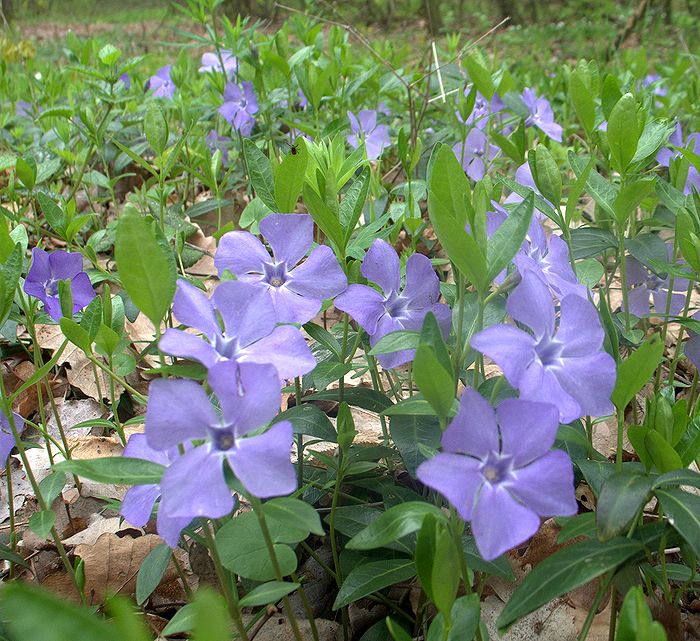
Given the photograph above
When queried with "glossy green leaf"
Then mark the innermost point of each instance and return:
(269, 592)
(289, 177)
(120, 470)
(41, 523)
(155, 127)
(622, 497)
(508, 238)
(369, 578)
(293, 513)
(682, 510)
(151, 572)
(623, 132)
(635, 622)
(634, 372)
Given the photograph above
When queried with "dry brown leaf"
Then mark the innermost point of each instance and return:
(111, 564)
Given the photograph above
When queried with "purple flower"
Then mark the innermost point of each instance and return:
(382, 108)
(644, 284)
(180, 411)
(475, 153)
(365, 129)
(223, 143)
(494, 219)
(161, 83)
(212, 64)
(23, 109)
(498, 470)
(240, 106)
(563, 365)
(46, 272)
(392, 309)
(541, 115)
(482, 110)
(665, 155)
(7, 439)
(125, 79)
(139, 500)
(297, 289)
(249, 333)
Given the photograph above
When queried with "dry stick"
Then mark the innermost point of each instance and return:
(636, 17)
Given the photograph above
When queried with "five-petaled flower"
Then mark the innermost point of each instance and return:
(162, 84)
(249, 333)
(297, 289)
(48, 270)
(392, 309)
(541, 115)
(668, 297)
(7, 439)
(563, 365)
(139, 500)
(240, 106)
(498, 470)
(365, 129)
(180, 411)
(665, 155)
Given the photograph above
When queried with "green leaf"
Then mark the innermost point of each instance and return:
(269, 592)
(156, 127)
(464, 618)
(369, 578)
(623, 132)
(147, 272)
(479, 74)
(324, 217)
(635, 371)
(414, 435)
(293, 514)
(121, 470)
(509, 237)
(309, 419)
(7, 554)
(26, 171)
(364, 397)
(41, 523)
(52, 213)
(623, 495)
(600, 189)
(580, 525)
(33, 613)
(260, 171)
(75, 334)
(582, 99)
(395, 523)
(211, 618)
(589, 272)
(289, 177)
(182, 621)
(563, 571)
(353, 203)
(448, 204)
(677, 477)
(683, 512)
(445, 573)
(664, 457)
(51, 486)
(635, 622)
(151, 572)
(630, 196)
(242, 548)
(109, 54)
(396, 341)
(435, 383)
(546, 174)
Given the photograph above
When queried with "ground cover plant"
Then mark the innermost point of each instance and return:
(303, 335)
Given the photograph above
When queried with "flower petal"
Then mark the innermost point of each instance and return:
(500, 523)
(285, 348)
(547, 485)
(456, 477)
(531, 303)
(65, 265)
(262, 463)
(240, 252)
(246, 309)
(192, 307)
(474, 430)
(138, 503)
(81, 290)
(590, 380)
(364, 304)
(209, 496)
(185, 345)
(177, 411)
(528, 429)
(249, 393)
(510, 348)
(170, 527)
(422, 283)
(580, 329)
(290, 307)
(381, 265)
(289, 235)
(319, 276)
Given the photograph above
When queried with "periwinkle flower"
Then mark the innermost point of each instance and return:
(249, 333)
(692, 345)
(394, 308)
(297, 289)
(23, 109)
(125, 79)
(541, 115)
(475, 153)
(645, 284)
(365, 129)
(655, 78)
(498, 470)
(482, 110)
(692, 142)
(524, 177)
(240, 106)
(211, 63)
(139, 500)
(47, 270)
(7, 439)
(180, 411)
(162, 84)
(565, 364)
